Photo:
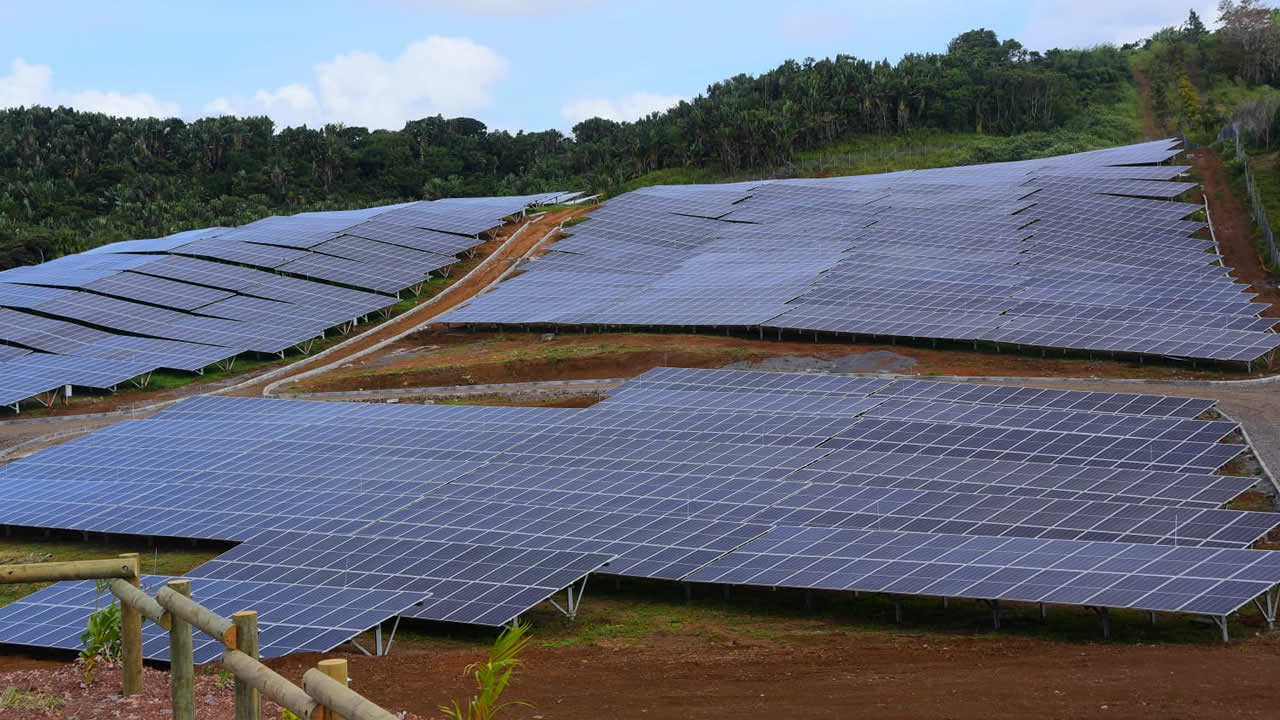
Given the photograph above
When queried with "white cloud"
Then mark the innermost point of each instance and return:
(630, 107)
(28, 84)
(816, 26)
(25, 84)
(1083, 23)
(449, 76)
(121, 105)
(499, 8)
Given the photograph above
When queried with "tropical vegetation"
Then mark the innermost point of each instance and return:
(73, 180)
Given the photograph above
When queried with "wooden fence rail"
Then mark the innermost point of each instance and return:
(322, 696)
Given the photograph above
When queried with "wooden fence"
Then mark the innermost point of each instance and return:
(324, 694)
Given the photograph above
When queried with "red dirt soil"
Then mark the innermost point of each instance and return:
(494, 357)
(1233, 228)
(860, 675)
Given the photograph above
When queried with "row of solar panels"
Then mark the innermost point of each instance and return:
(200, 297)
(1086, 251)
(808, 481)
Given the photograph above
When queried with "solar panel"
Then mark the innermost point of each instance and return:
(1150, 577)
(681, 475)
(467, 583)
(944, 253)
(291, 618)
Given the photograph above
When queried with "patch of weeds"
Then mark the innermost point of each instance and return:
(14, 699)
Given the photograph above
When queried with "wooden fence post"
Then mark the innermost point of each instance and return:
(335, 668)
(248, 701)
(182, 669)
(131, 636)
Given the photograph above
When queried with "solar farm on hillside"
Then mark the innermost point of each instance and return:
(1087, 252)
(348, 515)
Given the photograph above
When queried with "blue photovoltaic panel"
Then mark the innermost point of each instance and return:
(1150, 577)
(491, 509)
(291, 618)
(467, 583)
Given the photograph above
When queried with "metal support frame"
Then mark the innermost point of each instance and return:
(1267, 604)
(142, 380)
(574, 601)
(390, 639)
(1105, 617)
(1221, 622)
(995, 612)
(897, 608)
(416, 289)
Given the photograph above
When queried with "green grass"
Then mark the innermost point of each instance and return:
(1266, 177)
(1100, 126)
(14, 699)
(163, 558)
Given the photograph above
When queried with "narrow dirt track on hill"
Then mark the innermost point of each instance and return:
(461, 292)
(1233, 228)
(1149, 131)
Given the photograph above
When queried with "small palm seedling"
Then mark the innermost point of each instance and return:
(101, 638)
(492, 676)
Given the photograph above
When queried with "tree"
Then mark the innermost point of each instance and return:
(1193, 29)
(1249, 25)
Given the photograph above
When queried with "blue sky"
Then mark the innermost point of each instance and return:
(530, 64)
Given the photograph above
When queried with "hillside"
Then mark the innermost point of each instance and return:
(71, 180)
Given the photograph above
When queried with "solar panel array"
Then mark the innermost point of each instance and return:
(199, 297)
(291, 617)
(739, 477)
(1088, 251)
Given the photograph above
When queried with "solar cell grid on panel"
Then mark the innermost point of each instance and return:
(923, 564)
(509, 579)
(291, 618)
(157, 291)
(1027, 479)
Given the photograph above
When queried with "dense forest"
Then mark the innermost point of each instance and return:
(72, 180)
(1202, 81)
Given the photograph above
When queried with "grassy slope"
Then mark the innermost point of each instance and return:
(1101, 126)
(171, 558)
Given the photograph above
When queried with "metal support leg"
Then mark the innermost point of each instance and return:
(995, 613)
(688, 593)
(573, 601)
(808, 600)
(897, 609)
(1221, 622)
(377, 638)
(394, 627)
(1043, 612)
(1106, 621)
(1151, 616)
(1267, 606)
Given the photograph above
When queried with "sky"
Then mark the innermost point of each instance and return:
(513, 64)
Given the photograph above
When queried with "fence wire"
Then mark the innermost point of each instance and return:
(1259, 210)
